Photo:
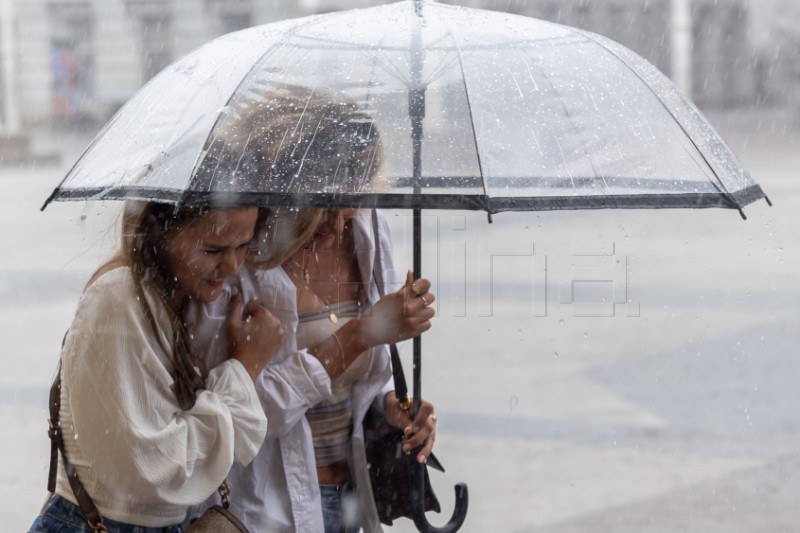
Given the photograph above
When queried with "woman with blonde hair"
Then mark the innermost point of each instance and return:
(317, 274)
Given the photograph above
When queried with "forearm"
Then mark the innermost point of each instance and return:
(338, 351)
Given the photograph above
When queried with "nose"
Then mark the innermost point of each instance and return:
(339, 217)
(230, 263)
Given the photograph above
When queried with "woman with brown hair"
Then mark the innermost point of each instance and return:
(147, 431)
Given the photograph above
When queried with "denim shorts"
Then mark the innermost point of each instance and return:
(340, 512)
(62, 516)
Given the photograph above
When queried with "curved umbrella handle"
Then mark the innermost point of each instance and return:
(420, 520)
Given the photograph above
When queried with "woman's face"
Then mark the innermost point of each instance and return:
(332, 226)
(204, 252)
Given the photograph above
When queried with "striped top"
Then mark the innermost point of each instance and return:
(332, 421)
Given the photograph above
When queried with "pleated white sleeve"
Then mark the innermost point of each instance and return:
(142, 459)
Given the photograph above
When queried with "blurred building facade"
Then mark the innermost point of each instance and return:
(68, 61)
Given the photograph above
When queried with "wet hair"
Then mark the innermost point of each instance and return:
(292, 139)
(145, 230)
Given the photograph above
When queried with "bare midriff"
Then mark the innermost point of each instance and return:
(334, 474)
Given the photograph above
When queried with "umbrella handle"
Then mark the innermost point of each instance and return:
(421, 521)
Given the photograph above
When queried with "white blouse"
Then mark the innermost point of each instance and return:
(279, 490)
(140, 457)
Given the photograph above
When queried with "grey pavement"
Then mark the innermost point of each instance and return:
(658, 396)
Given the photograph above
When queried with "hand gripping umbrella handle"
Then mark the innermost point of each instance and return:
(420, 520)
(417, 471)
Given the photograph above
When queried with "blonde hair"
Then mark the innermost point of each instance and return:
(286, 230)
(290, 139)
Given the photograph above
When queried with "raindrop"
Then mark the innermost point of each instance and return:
(561, 321)
(513, 402)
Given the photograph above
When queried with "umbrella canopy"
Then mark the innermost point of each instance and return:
(476, 109)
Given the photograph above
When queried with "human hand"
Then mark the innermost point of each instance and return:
(400, 315)
(419, 432)
(256, 335)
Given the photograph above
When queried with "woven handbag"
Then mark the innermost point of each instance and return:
(218, 518)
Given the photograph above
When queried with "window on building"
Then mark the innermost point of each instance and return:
(231, 15)
(71, 60)
(156, 32)
(235, 21)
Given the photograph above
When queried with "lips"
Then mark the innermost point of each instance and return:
(215, 283)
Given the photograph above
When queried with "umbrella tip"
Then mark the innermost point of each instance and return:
(47, 202)
(489, 217)
(769, 202)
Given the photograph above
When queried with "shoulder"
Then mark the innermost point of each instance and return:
(111, 318)
(114, 284)
(113, 297)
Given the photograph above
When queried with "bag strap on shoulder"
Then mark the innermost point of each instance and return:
(88, 508)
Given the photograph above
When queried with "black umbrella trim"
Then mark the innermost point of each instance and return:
(426, 201)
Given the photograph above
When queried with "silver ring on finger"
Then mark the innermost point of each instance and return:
(425, 303)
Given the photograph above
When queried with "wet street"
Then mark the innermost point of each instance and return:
(597, 371)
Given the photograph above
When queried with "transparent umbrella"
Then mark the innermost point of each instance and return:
(476, 110)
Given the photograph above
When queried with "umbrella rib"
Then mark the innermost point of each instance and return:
(590, 37)
(390, 68)
(443, 66)
(471, 117)
(395, 72)
(367, 102)
(305, 154)
(373, 63)
(694, 158)
(572, 123)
